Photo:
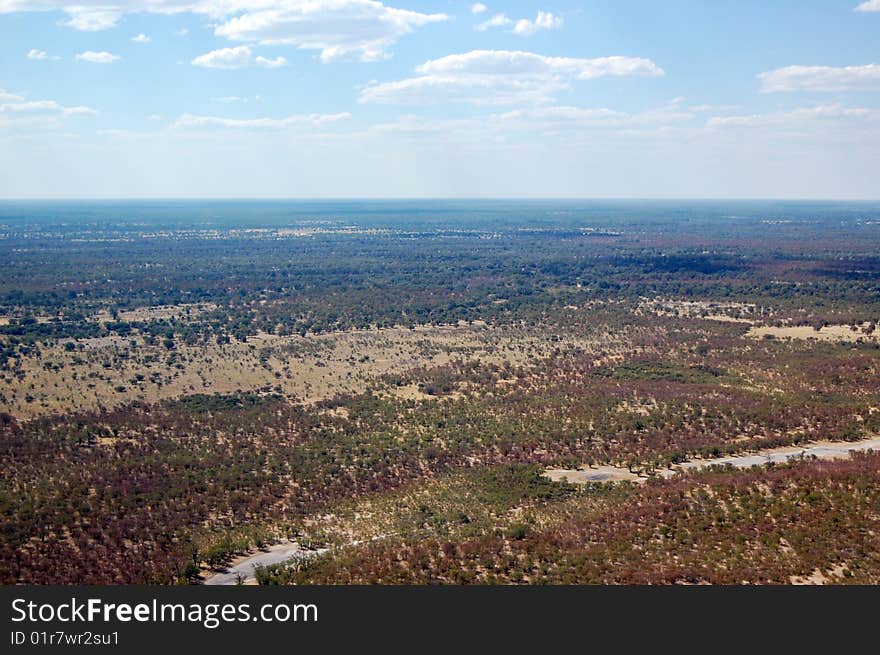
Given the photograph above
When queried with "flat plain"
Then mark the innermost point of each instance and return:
(485, 392)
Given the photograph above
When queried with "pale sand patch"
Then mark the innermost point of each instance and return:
(818, 577)
(596, 474)
(730, 312)
(409, 392)
(97, 343)
(819, 449)
(807, 332)
(156, 312)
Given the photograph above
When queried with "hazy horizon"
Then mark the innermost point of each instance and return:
(671, 199)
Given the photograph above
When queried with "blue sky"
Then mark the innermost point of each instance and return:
(360, 98)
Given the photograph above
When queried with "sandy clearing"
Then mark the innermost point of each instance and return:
(595, 474)
(728, 312)
(818, 577)
(818, 449)
(109, 371)
(807, 332)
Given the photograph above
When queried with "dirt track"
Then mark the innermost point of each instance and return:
(245, 566)
(818, 449)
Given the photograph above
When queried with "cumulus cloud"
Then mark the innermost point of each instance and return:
(543, 21)
(94, 15)
(339, 29)
(93, 57)
(478, 8)
(507, 62)
(501, 77)
(141, 38)
(523, 27)
(239, 57)
(498, 20)
(37, 55)
(821, 78)
(91, 19)
(869, 6)
(314, 120)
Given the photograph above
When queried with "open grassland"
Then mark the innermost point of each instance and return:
(103, 372)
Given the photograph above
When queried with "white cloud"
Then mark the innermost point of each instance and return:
(543, 21)
(93, 57)
(141, 38)
(270, 63)
(7, 97)
(37, 55)
(498, 20)
(523, 27)
(17, 111)
(572, 118)
(94, 15)
(478, 8)
(821, 78)
(339, 29)
(869, 6)
(91, 19)
(551, 126)
(238, 57)
(183, 31)
(78, 111)
(486, 77)
(507, 62)
(797, 119)
(44, 106)
(314, 120)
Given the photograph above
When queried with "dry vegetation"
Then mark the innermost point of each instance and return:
(397, 394)
(105, 372)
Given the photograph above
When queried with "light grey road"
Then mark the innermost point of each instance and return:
(820, 450)
(273, 555)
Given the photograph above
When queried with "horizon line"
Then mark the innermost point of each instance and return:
(433, 198)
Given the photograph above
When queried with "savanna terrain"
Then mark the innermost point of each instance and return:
(447, 392)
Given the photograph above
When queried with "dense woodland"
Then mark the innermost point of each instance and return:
(646, 360)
